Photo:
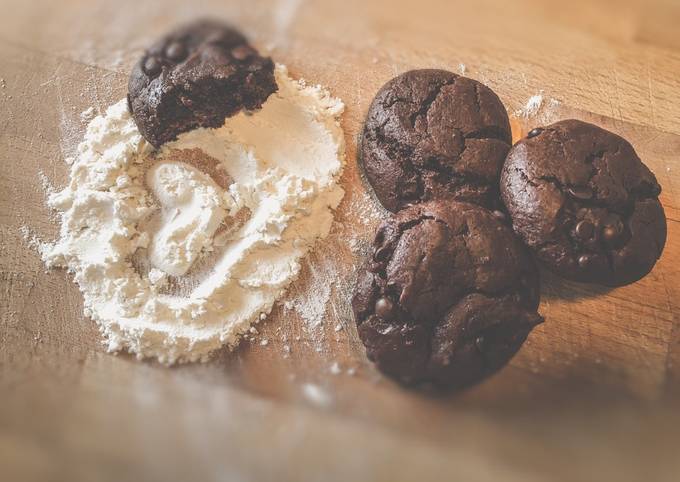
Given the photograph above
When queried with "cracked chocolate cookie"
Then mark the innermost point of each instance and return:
(448, 297)
(196, 76)
(580, 197)
(431, 134)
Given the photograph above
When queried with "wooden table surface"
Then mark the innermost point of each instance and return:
(594, 393)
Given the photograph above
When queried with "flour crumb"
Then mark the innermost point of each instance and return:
(317, 395)
(532, 106)
(552, 103)
(31, 239)
(264, 342)
(157, 277)
(338, 327)
(46, 184)
(462, 68)
(87, 114)
(335, 368)
(351, 371)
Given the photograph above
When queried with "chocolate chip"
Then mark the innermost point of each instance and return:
(384, 308)
(534, 132)
(580, 192)
(176, 51)
(585, 229)
(613, 228)
(584, 260)
(152, 66)
(611, 233)
(242, 52)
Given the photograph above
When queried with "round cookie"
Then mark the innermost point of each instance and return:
(196, 76)
(431, 134)
(448, 297)
(580, 197)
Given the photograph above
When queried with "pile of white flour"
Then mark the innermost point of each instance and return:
(136, 223)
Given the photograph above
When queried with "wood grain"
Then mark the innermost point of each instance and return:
(592, 395)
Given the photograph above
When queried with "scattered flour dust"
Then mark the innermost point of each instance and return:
(312, 304)
(538, 107)
(532, 106)
(47, 186)
(231, 249)
(87, 114)
(31, 239)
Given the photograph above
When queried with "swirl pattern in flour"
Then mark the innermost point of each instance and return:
(124, 202)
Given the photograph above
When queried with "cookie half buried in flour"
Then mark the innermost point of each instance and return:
(431, 134)
(582, 199)
(449, 295)
(196, 76)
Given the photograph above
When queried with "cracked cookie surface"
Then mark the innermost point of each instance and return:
(431, 134)
(196, 76)
(582, 199)
(448, 296)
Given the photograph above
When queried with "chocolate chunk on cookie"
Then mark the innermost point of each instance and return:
(580, 197)
(196, 76)
(449, 295)
(431, 134)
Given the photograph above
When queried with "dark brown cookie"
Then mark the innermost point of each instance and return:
(449, 295)
(580, 197)
(431, 134)
(196, 76)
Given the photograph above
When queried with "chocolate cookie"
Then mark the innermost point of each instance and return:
(431, 134)
(196, 76)
(449, 295)
(580, 197)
